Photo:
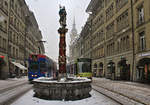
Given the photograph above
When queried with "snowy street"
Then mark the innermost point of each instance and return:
(96, 99)
(126, 92)
(13, 88)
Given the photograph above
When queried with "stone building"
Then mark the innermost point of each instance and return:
(16, 43)
(4, 5)
(119, 39)
(141, 15)
(33, 39)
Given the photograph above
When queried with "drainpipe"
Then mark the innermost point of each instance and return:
(133, 46)
(8, 30)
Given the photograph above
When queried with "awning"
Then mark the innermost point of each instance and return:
(19, 65)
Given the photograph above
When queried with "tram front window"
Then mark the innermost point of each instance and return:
(84, 67)
(42, 64)
(33, 66)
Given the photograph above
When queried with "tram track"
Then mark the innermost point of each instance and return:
(12, 86)
(107, 96)
(116, 96)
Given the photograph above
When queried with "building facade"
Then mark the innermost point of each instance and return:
(142, 39)
(4, 9)
(20, 35)
(118, 40)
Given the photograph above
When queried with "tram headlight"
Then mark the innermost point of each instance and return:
(35, 75)
(32, 75)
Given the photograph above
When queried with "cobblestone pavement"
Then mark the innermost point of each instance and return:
(136, 91)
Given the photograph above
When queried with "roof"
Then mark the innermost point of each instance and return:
(91, 5)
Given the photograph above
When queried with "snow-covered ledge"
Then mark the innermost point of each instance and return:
(72, 89)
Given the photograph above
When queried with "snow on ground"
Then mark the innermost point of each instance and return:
(96, 99)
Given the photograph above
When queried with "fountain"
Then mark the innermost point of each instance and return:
(63, 88)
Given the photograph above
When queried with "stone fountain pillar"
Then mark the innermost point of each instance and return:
(62, 44)
(62, 52)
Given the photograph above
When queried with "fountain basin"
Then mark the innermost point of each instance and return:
(72, 89)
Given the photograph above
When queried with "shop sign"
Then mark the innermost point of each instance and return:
(2, 57)
(13, 60)
(140, 67)
(146, 54)
(109, 65)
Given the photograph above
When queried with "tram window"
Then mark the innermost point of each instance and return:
(84, 67)
(42, 64)
(34, 57)
(33, 66)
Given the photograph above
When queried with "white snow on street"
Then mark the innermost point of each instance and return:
(96, 99)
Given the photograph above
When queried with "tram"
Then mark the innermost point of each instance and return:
(81, 68)
(84, 67)
(40, 66)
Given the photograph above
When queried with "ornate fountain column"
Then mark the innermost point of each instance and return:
(62, 44)
(62, 51)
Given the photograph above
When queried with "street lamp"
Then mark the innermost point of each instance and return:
(40, 41)
(133, 34)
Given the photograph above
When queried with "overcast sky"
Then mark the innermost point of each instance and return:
(46, 13)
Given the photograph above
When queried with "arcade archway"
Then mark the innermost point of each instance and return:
(143, 70)
(111, 70)
(95, 70)
(123, 69)
(100, 69)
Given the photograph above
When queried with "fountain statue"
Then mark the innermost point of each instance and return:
(62, 14)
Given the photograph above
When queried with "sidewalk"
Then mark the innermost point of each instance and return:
(137, 91)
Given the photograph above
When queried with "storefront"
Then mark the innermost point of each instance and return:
(143, 70)
(95, 70)
(2, 63)
(19, 69)
(100, 69)
(111, 70)
(123, 70)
